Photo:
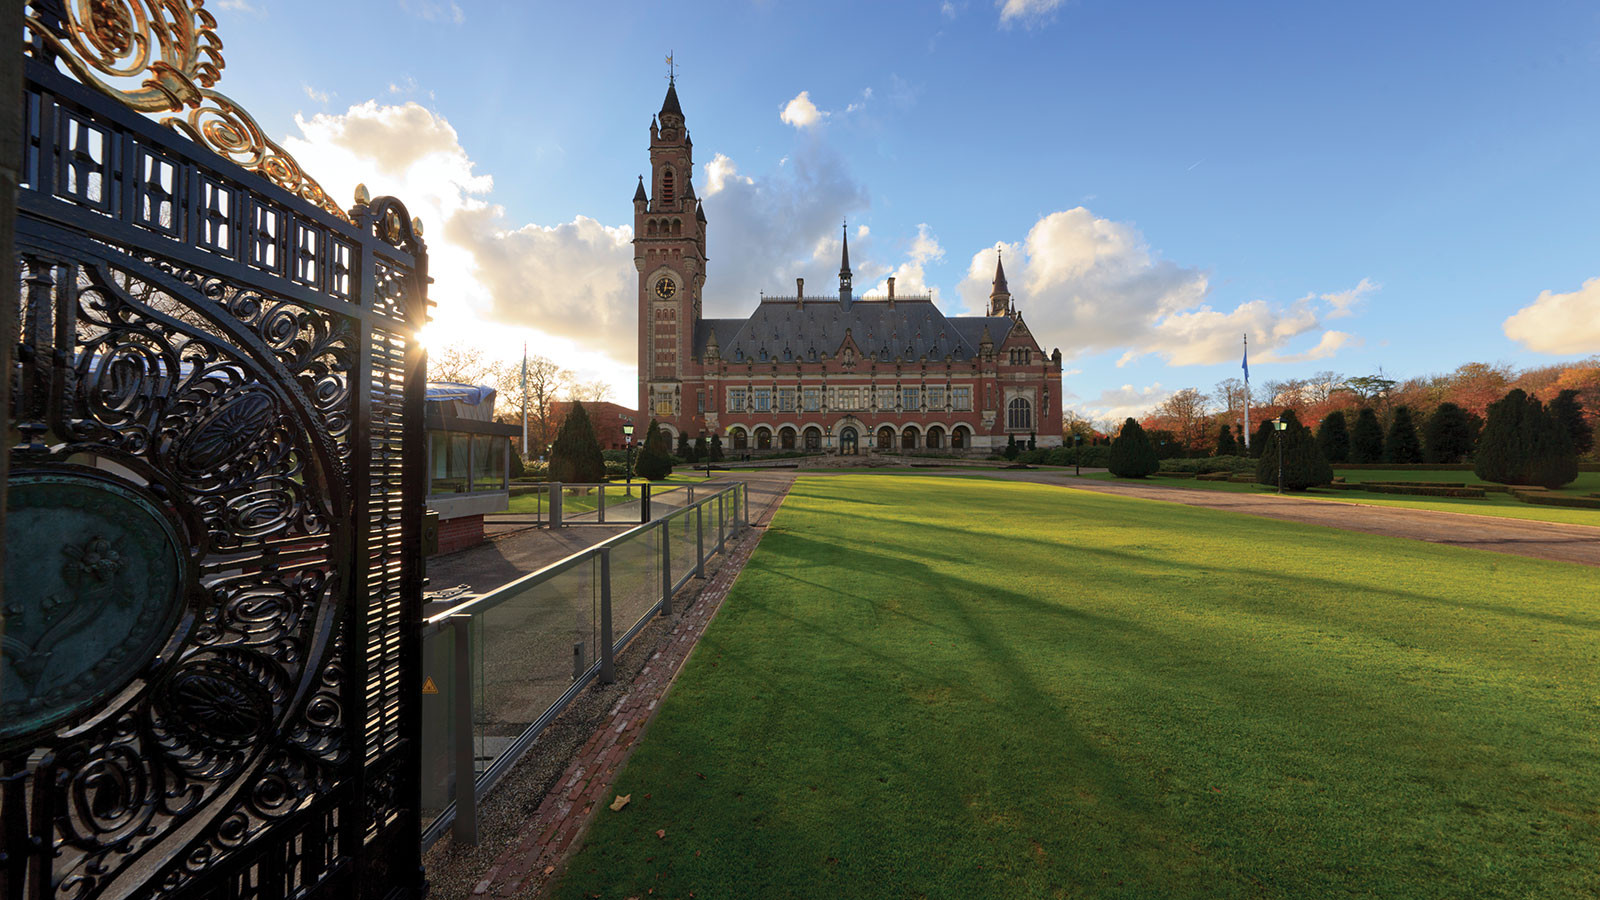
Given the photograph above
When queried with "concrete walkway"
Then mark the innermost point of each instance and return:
(1522, 537)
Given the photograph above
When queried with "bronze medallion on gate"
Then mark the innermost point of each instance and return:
(94, 586)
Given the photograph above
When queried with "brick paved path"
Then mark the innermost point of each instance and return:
(525, 866)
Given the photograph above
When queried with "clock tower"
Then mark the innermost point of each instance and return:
(669, 250)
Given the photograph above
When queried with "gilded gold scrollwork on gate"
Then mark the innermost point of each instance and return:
(171, 47)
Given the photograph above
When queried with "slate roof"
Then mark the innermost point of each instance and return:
(787, 332)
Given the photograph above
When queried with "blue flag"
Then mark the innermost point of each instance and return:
(1246, 364)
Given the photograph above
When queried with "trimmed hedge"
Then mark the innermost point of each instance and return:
(1475, 493)
(1544, 499)
(1411, 467)
(1451, 484)
(1206, 465)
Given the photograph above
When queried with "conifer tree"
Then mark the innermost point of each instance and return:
(685, 451)
(575, 457)
(1225, 443)
(1522, 443)
(700, 448)
(1401, 444)
(1568, 411)
(1303, 464)
(654, 462)
(1446, 434)
(1132, 455)
(1366, 438)
(1259, 439)
(1333, 438)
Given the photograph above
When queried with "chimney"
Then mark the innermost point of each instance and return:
(891, 292)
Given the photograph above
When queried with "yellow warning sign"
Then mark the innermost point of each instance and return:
(428, 687)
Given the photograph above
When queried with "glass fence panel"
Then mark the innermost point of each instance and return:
(683, 544)
(635, 578)
(528, 644)
(438, 722)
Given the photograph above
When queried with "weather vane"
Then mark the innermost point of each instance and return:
(672, 72)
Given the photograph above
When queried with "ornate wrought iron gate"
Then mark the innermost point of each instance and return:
(208, 674)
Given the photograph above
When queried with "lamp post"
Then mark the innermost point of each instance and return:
(1077, 459)
(1278, 425)
(827, 434)
(627, 437)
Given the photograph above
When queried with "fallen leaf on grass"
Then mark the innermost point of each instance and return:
(620, 802)
(661, 832)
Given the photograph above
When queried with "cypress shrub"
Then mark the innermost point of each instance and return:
(716, 448)
(655, 460)
(700, 449)
(1446, 434)
(575, 458)
(1522, 443)
(1303, 463)
(685, 449)
(1012, 450)
(1132, 456)
(1225, 442)
(1333, 438)
(1568, 411)
(518, 469)
(1260, 438)
(1401, 444)
(1366, 438)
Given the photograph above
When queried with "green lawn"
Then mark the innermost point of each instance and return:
(942, 687)
(1494, 504)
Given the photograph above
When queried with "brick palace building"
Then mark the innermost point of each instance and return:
(841, 374)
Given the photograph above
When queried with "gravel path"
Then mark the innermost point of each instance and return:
(1542, 540)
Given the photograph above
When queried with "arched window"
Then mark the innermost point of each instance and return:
(740, 440)
(1019, 414)
(650, 227)
(908, 439)
(786, 438)
(813, 438)
(958, 438)
(935, 438)
(885, 438)
(677, 227)
(763, 439)
(847, 442)
(666, 185)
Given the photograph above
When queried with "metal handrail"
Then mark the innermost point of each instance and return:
(457, 813)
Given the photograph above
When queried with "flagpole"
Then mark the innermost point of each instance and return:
(525, 399)
(1247, 393)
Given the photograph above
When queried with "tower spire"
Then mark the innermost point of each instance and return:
(1000, 297)
(844, 269)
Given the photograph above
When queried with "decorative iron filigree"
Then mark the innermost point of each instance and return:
(173, 46)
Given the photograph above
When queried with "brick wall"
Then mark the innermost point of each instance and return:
(459, 533)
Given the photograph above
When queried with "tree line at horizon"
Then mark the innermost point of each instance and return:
(1189, 422)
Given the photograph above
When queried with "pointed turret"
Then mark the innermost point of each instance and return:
(700, 212)
(1000, 297)
(669, 106)
(844, 271)
(639, 196)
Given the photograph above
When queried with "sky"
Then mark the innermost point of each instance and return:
(1359, 187)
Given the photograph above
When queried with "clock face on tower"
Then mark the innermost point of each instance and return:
(666, 288)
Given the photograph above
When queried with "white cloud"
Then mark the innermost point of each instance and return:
(1327, 345)
(434, 11)
(1116, 404)
(947, 9)
(1342, 301)
(719, 171)
(1095, 285)
(568, 289)
(910, 278)
(1028, 12)
(319, 96)
(765, 229)
(1559, 323)
(801, 112)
